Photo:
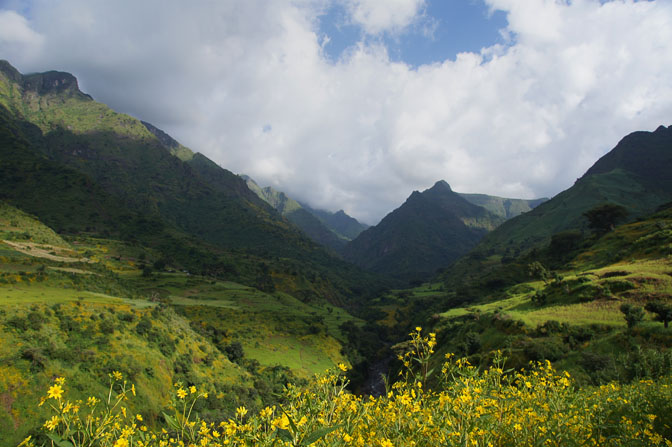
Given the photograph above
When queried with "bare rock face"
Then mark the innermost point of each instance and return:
(50, 82)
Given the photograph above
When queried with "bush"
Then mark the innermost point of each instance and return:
(544, 349)
(18, 323)
(234, 351)
(471, 407)
(143, 326)
(106, 326)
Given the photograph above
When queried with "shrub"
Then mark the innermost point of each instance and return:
(633, 314)
(471, 407)
(544, 349)
(234, 351)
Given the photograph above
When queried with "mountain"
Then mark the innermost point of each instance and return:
(503, 207)
(345, 226)
(634, 175)
(79, 166)
(429, 231)
(298, 215)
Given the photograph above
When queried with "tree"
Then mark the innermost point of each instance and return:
(662, 310)
(234, 351)
(633, 314)
(537, 270)
(565, 242)
(603, 218)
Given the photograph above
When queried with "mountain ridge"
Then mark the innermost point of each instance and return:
(196, 197)
(321, 226)
(634, 175)
(430, 230)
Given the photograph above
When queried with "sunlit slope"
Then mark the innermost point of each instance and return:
(107, 173)
(640, 187)
(573, 314)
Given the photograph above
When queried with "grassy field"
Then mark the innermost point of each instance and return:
(640, 280)
(83, 307)
(273, 328)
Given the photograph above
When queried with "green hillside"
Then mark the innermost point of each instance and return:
(143, 191)
(634, 175)
(344, 226)
(429, 231)
(503, 207)
(565, 211)
(85, 307)
(570, 314)
(614, 179)
(304, 219)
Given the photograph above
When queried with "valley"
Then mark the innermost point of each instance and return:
(127, 258)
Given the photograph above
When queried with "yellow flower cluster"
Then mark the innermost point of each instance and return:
(537, 407)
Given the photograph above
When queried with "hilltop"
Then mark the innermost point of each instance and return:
(429, 231)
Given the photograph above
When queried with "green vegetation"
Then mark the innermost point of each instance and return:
(469, 407)
(82, 168)
(592, 310)
(429, 231)
(83, 307)
(134, 266)
(304, 218)
(506, 208)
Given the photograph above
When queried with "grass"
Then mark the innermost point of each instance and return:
(273, 328)
(17, 225)
(18, 294)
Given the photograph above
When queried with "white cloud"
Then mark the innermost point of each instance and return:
(16, 36)
(378, 16)
(248, 84)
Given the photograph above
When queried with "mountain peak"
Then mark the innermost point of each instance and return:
(663, 129)
(9, 71)
(51, 82)
(43, 83)
(441, 185)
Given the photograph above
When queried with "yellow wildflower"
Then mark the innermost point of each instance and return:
(51, 423)
(241, 411)
(192, 389)
(282, 422)
(342, 367)
(181, 393)
(266, 412)
(55, 391)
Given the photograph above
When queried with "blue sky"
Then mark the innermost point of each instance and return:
(383, 107)
(446, 28)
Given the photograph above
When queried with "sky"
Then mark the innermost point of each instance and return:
(354, 104)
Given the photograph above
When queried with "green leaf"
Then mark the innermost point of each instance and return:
(291, 422)
(319, 434)
(285, 435)
(172, 423)
(58, 441)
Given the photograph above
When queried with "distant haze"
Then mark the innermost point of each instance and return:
(255, 86)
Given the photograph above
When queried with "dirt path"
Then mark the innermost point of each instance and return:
(39, 251)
